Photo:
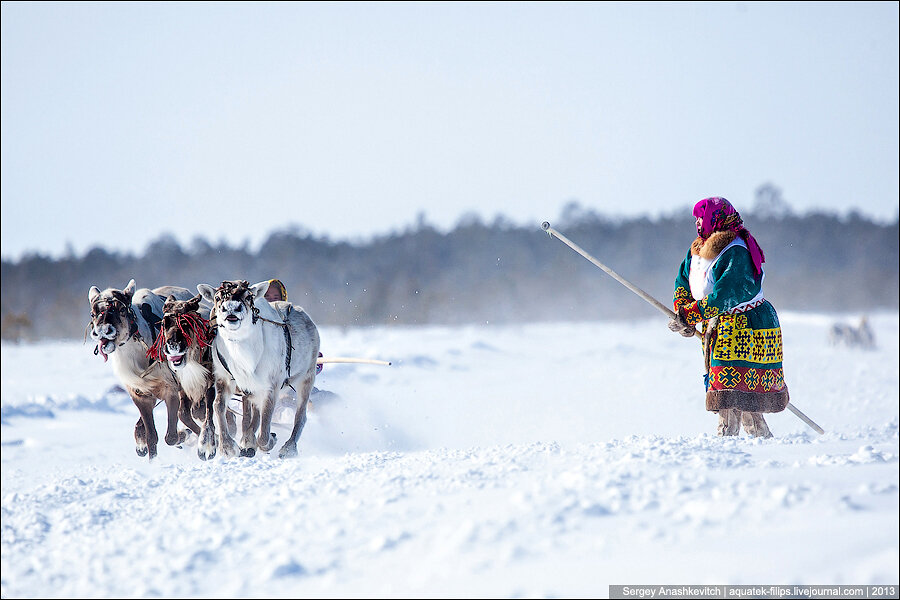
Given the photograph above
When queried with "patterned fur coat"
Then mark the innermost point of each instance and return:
(718, 287)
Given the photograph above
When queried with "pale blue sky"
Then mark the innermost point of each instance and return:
(229, 120)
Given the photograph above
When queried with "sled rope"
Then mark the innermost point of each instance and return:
(341, 359)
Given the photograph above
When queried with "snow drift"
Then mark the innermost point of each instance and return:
(539, 460)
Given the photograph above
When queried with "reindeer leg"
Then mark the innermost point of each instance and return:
(266, 439)
(140, 437)
(173, 407)
(206, 445)
(185, 410)
(226, 442)
(199, 409)
(289, 450)
(232, 423)
(250, 424)
(145, 429)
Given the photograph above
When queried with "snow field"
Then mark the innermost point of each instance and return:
(539, 460)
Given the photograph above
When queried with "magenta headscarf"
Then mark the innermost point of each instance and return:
(717, 214)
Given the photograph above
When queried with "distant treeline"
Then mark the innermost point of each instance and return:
(476, 273)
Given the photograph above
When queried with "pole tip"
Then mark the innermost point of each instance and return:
(545, 225)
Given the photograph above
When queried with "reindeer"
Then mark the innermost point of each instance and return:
(852, 337)
(184, 343)
(123, 323)
(260, 347)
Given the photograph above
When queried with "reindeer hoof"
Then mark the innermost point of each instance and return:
(206, 456)
(176, 439)
(268, 444)
(141, 451)
(228, 449)
(288, 452)
(248, 452)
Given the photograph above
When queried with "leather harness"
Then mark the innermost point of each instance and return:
(287, 342)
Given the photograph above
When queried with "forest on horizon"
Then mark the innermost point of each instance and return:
(476, 273)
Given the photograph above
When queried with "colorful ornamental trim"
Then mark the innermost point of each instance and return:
(746, 307)
(701, 310)
(746, 379)
(692, 314)
(736, 342)
(682, 298)
(708, 311)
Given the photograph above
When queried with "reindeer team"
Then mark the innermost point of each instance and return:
(165, 345)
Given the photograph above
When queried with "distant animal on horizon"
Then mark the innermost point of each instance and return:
(862, 336)
(260, 348)
(124, 324)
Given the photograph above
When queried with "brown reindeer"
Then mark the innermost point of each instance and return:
(123, 325)
(185, 344)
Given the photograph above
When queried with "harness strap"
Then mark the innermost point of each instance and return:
(288, 344)
(153, 322)
(134, 332)
(132, 325)
(224, 364)
(290, 348)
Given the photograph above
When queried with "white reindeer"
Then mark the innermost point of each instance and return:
(260, 348)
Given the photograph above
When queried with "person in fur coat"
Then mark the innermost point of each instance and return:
(719, 286)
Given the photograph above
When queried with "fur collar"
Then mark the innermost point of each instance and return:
(711, 246)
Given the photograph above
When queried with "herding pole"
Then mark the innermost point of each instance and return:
(653, 301)
(650, 299)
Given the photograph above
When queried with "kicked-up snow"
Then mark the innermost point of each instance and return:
(536, 460)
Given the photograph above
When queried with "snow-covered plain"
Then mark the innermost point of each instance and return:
(536, 460)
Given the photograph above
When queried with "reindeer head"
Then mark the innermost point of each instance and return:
(112, 318)
(233, 303)
(184, 334)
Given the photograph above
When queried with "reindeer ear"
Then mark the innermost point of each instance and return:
(129, 290)
(208, 292)
(93, 293)
(194, 302)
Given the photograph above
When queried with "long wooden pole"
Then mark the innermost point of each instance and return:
(652, 301)
(647, 297)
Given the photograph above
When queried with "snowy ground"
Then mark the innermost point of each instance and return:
(539, 460)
